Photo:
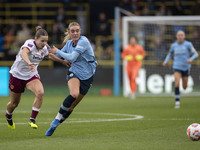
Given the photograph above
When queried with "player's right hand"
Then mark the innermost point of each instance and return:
(164, 64)
(129, 57)
(53, 50)
(67, 63)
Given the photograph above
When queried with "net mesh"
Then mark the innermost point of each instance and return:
(156, 36)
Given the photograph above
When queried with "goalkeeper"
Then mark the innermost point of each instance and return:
(181, 51)
(134, 54)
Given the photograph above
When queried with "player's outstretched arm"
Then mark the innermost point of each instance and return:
(64, 62)
(53, 50)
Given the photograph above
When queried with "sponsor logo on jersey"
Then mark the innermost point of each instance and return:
(78, 46)
(30, 45)
(38, 58)
(12, 87)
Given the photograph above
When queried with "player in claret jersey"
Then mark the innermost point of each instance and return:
(24, 74)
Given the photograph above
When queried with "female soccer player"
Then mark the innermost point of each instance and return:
(79, 52)
(24, 74)
(181, 51)
(134, 54)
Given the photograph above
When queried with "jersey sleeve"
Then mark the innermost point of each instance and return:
(193, 52)
(142, 51)
(29, 45)
(69, 56)
(81, 46)
(191, 47)
(124, 52)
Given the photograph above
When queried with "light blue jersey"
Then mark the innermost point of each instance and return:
(85, 63)
(181, 52)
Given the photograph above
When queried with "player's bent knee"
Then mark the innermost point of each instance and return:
(40, 94)
(74, 95)
(13, 105)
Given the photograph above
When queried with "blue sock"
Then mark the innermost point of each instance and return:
(66, 104)
(65, 116)
(177, 94)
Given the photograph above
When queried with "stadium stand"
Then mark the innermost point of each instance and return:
(34, 14)
(45, 13)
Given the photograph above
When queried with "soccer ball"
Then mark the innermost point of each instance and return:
(193, 131)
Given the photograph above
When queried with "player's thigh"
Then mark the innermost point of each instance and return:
(74, 87)
(177, 77)
(15, 97)
(136, 72)
(35, 86)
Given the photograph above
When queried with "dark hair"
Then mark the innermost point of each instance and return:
(40, 32)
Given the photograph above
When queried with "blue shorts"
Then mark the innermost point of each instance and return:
(183, 73)
(84, 84)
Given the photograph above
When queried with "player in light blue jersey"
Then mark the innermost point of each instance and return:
(79, 52)
(183, 54)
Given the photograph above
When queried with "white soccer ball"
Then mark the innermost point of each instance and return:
(193, 131)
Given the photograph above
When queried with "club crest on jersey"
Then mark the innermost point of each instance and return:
(12, 87)
(30, 45)
(71, 74)
(42, 54)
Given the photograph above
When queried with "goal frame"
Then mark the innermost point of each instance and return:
(148, 19)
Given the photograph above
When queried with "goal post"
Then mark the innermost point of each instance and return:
(156, 34)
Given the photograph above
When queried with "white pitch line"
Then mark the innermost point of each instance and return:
(130, 117)
(172, 119)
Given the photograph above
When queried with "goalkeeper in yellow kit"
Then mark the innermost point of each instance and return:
(134, 54)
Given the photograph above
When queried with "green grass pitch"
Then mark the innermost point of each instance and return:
(104, 123)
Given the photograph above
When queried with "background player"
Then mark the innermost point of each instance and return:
(134, 54)
(79, 52)
(24, 74)
(181, 51)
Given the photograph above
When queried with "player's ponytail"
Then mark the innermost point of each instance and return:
(67, 36)
(40, 32)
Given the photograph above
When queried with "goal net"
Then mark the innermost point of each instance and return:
(156, 34)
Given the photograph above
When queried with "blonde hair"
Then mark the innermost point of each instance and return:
(67, 36)
(40, 32)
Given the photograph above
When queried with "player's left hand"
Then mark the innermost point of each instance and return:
(53, 50)
(139, 57)
(67, 63)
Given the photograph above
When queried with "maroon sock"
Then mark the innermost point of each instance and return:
(8, 115)
(34, 113)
